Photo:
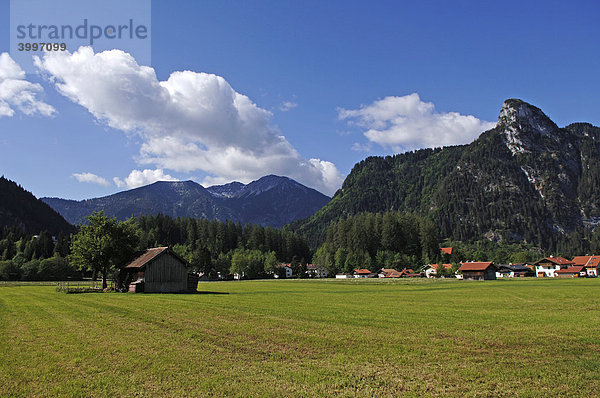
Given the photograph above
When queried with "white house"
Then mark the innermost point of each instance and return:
(315, 271)
(287, 268)
(431, 269)
(591, 264)
(362, 273)
(547, 267)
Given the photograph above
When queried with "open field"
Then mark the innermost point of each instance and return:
(306, 338)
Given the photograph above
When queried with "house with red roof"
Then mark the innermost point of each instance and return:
(571, 272)
(160, 270)
(362, 273)
(388, 273)
(591, 264)
(431, 269)
(547, 266)
(478, 270)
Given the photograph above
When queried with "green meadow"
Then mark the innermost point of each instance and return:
(531, 337)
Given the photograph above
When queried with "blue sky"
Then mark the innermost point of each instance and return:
(335, 78)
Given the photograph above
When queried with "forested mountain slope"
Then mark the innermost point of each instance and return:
(524, 180)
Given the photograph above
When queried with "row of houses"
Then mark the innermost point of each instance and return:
(548, 267)
(382, 273)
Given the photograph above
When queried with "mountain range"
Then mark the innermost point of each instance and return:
(269, 201)
(526, 180)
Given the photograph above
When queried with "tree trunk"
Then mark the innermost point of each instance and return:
(104, 284)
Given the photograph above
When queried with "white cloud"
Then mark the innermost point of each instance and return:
(406, 123)
(192, 121)
(287, 105)
(17, 93)
(139, 178)
(358, 147)
(90, 177)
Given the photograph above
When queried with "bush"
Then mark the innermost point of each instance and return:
(9, 271)
(55, 269)
(30, 270)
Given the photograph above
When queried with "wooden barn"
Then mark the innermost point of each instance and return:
(160, 270)
(478, 270)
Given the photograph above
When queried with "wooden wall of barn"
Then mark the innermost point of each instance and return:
(166, 274)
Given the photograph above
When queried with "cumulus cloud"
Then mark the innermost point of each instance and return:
(406, 123)
(139, 178)
(287, 105)
(192, 121)
(17, 93)
(90, 177)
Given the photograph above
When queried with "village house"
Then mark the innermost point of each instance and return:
(160, 270)
(546, 267)
(344, 276)
(362, 273)
(431, 269)
(409, 273)
(513, 271)
(286, 271)
(591, 264)
(478, 271)
(571, 272)
(315, 271)
(388, 273)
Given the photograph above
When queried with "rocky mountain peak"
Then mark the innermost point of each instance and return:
(520, 122)
(523, 116)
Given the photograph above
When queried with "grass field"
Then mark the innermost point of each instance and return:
(306, 338)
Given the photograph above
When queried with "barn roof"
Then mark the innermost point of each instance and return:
(150, 255)
(446, 250)
(475, 266)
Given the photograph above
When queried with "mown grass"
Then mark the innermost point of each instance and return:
(531, 338)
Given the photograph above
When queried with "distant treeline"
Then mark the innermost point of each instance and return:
(400, 240)
(381, 240)
(212, 247)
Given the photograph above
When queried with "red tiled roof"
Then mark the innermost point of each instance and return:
(587, 261)
(284, 265)
(475, 266)
(392, 273)
(435, 266)
(362, 271)
(146, 257)
(446, 250)
(555, 260)
(570, 270)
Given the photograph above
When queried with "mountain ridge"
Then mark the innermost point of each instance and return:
(270, 201)
(19, 207)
